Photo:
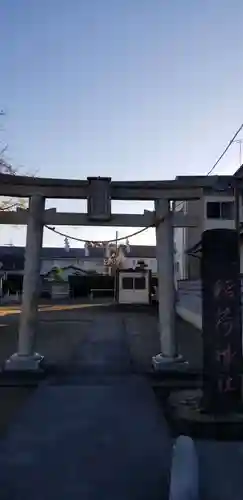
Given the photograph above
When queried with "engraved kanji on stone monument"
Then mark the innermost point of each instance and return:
(221, 321)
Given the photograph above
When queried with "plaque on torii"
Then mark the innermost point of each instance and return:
(99, 198)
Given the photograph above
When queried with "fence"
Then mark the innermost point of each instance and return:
(81, 286)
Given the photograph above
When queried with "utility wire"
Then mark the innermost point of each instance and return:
(222, 155)
(225, 150)
(156, 223)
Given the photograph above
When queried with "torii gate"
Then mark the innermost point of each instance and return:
(99, 192)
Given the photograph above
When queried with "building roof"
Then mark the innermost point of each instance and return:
(141, 251)
(239, 172)
(96, 253)
(46, 252)
(135, 251)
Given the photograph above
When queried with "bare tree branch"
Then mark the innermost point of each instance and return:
(7, 168)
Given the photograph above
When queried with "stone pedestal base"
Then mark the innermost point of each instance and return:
(162, 363)
(17, 362)
(189, 418)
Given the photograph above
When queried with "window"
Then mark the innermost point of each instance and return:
(127, 283)
(213, 210)
(227, 210)
(140, 283)
(220, 210)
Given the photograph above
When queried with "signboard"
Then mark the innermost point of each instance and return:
(221, 320)
(99, 198)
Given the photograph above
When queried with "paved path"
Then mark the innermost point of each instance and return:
(220, 470)
(98, 432)
(100, 435)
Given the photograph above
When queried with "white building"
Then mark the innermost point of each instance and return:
(135, 255)
(215, 210)
(75, 260)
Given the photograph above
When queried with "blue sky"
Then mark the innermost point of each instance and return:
(133, 89)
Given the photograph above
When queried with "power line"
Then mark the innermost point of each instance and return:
(225, 150)
(222, 155)
(159, 220)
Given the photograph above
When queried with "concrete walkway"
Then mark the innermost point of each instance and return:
(98, 436)
(220, 470)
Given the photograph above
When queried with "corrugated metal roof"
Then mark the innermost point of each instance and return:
(96, 253)
(141, 251)
(135, 251)
(62, 253)
(46, 252)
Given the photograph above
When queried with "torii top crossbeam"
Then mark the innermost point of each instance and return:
(182, 188)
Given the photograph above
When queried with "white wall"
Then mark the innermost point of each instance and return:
(217, 223)
(180, 237)
(133, 295)
(180, 244)
(94, 265)
(180, 256)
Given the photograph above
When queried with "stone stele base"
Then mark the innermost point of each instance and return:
(188, 418)
(18, 362)
(164, 363)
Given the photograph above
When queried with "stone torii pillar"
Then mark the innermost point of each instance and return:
(26, 358)
(166, 286)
